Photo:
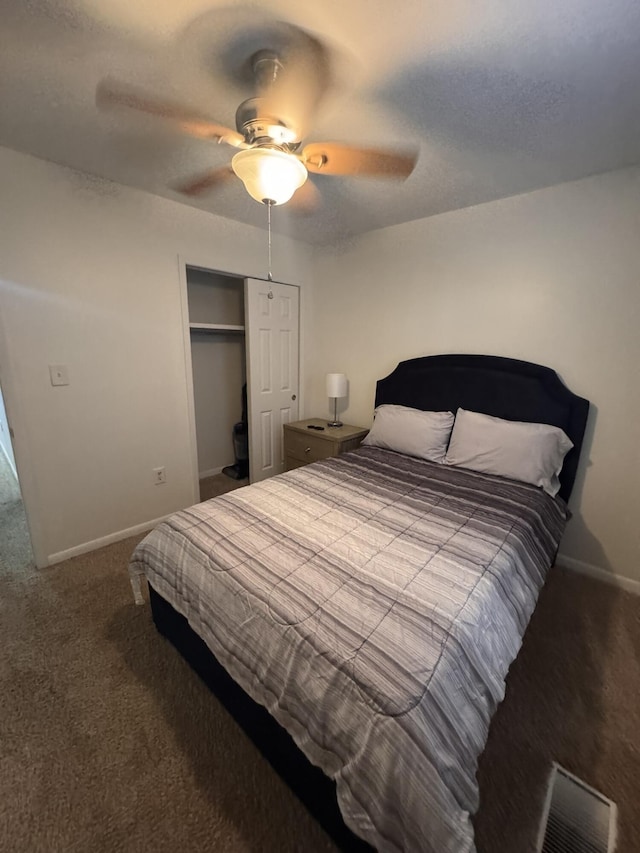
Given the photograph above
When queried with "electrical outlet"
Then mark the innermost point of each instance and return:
(59, 374)
(159, 476)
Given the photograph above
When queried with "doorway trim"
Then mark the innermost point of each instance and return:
(206, 265)
(21, 451)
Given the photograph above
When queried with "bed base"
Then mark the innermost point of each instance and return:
(315, 790)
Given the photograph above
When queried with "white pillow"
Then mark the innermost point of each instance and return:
(411, 431)
(532, 453)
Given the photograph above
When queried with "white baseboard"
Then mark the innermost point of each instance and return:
(85, 547)
(211, 472)
(628, 584)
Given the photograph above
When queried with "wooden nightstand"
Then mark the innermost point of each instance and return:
(303, 445)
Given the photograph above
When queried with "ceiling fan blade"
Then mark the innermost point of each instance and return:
(208, 181)
(306, 199)
(332, 158)
(109, 93)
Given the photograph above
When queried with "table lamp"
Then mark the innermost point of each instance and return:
(336, 387)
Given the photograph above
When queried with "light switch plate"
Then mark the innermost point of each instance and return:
(59, 374)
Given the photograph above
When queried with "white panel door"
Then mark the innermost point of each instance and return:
(272, 319)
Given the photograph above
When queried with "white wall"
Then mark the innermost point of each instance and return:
(551, 277)
(90, 278)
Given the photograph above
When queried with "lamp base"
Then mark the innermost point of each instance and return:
(335, 423)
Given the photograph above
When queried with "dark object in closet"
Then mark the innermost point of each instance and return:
(240, 470)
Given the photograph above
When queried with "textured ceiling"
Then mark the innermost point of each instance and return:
(499, 97)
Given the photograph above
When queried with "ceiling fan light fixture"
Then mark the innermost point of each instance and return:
(269, 175)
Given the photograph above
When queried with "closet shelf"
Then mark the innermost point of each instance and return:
(214, 327)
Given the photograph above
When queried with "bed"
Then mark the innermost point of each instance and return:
(358, 616)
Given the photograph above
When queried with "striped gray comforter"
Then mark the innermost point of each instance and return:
(373, 603)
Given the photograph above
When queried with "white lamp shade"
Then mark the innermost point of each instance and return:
(336, 385)
(269, 175)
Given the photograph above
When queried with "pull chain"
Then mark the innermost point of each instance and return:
(269, 204)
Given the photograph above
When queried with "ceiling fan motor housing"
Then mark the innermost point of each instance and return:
(258, 128)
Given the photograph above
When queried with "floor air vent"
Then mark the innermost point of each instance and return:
(576, 818)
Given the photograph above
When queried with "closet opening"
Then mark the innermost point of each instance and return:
(218, 360)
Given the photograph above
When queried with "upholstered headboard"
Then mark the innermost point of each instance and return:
(503, 387)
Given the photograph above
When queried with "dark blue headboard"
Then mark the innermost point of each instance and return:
(503, 387)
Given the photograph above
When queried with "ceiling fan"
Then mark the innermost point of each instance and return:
(289, 81)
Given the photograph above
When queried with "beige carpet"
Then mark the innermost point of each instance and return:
(110, 743)
(218, 484)
(573, 696)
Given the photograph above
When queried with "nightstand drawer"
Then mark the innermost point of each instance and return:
(308, 448)
(303, 445)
